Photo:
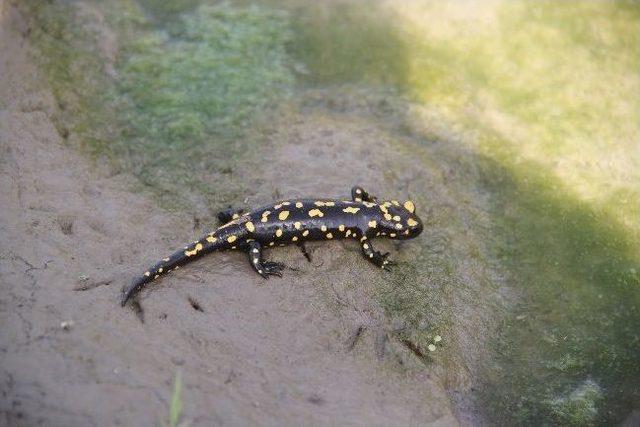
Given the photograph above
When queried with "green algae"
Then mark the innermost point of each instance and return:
(181, 109)
(579, 407)
(73, 70)
(197, 89)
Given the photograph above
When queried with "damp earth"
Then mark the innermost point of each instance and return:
(126, 125)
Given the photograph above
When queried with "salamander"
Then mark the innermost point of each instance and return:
(296, 221)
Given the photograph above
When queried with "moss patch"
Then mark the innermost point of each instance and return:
(183, 108)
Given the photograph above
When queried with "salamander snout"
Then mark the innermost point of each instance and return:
(414, 224)
(400, 220)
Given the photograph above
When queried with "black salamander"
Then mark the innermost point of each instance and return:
(295, 222)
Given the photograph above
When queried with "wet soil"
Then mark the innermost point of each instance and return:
(290, 351)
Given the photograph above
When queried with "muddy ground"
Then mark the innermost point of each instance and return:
(250, 352)
(126, 125)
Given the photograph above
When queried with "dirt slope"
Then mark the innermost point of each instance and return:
(271, 353)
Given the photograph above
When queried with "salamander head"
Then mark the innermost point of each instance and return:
(400, 220)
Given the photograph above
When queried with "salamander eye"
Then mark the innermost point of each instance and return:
(408, 205)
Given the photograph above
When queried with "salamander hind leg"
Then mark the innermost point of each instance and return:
(376, 257)
(229, 215)
(262, 267)
(303, 248)
(358, 194)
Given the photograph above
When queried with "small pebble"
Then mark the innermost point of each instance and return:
(66, 325)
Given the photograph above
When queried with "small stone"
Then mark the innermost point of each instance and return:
(66, 325)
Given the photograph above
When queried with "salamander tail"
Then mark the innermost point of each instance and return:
(174, 261)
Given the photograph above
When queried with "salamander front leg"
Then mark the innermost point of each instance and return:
(377, 258)
(262, 267)
(229, 215)
(358, 194)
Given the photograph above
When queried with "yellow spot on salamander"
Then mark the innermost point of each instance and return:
(373, 224)
(211, 239)
(160, 270)
(392, 234)
(146, 273)
(411, 222)
(341, 227)
(398, 226)
(396, 218)
(231, 239)
(195, 250)
(351, 210)
(271, 243)
(165, 259)
(156, 276)
(278, 232)
(235, 216)
(294, 238)
(408, 205)
(316, 212)
(297, 225)
(387, 217)
(285, 203)
(283, 215)
(298, 205)
(395, 202)
(265, 216)
(368, 204)
(329, 236)
(250, 226)
(305, 233)
(278, 206)
(348, 233)
(323, 228)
